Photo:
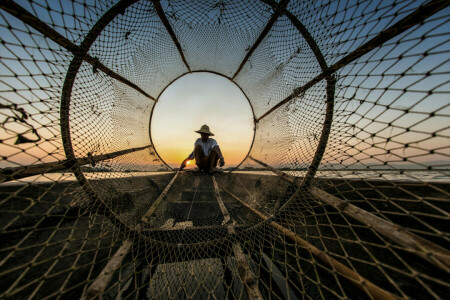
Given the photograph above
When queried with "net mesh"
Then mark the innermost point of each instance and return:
(344, 193)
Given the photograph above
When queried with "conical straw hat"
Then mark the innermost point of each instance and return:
(205, 129)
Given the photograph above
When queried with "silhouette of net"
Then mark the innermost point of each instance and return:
(344, 193)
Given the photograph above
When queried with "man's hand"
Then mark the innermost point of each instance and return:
(221, 162)
(183, 164)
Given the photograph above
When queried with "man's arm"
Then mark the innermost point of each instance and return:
(183, 164)
(221, 159)
(190, 157)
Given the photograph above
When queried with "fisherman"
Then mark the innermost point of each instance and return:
(206, 152)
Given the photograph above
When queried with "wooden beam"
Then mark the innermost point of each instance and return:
(192, 229)
(8, 174)
(22, 14)
(105, 276)
(415, 18)
(362, 283)
(246, 275)
(151, 210)
(278, 11)
(166, 23)
(429, 251)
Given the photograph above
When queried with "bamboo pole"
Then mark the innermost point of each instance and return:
(246, 275)
(278, 11)
(7, 174)
(146, 216)
(186, 228)
(105, 276)
(223, 209)
(362, 283)
(22, 14)
(166, 23)
(429, 251)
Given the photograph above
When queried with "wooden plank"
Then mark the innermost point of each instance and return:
(102, 281)
(7, 174)
(362, 283)
(429, 251)
(155, 204)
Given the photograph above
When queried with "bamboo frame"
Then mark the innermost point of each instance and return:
(166, 23)
(7, 174)
(66, 93)
(415, 18)
(278, 11)
(22, 14)
(330, 91)
(304, 32)
(429, 251)
(374, 291)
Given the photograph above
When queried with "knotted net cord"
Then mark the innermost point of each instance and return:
(344, 193)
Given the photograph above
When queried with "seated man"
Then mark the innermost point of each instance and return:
(206, 152)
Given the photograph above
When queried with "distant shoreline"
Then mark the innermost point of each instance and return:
(412, 176)
(264, 169)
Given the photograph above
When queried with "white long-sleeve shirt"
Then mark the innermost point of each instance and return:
(206, 146)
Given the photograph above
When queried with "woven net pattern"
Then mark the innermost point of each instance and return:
(343, 195)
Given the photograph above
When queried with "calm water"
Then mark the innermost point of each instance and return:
(417, 176)
(427, 176)
(67, 177)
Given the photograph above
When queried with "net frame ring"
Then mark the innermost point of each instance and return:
(218, 74)
(69, 81)
(120, 8)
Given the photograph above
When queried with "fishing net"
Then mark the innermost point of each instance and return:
(345, 190)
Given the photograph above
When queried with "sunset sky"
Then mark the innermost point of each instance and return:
(383, 96)
(197, 99)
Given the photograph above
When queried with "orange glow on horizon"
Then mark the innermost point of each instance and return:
(233, 154)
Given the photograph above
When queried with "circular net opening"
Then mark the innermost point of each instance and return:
(196, 99)
(343, 194)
